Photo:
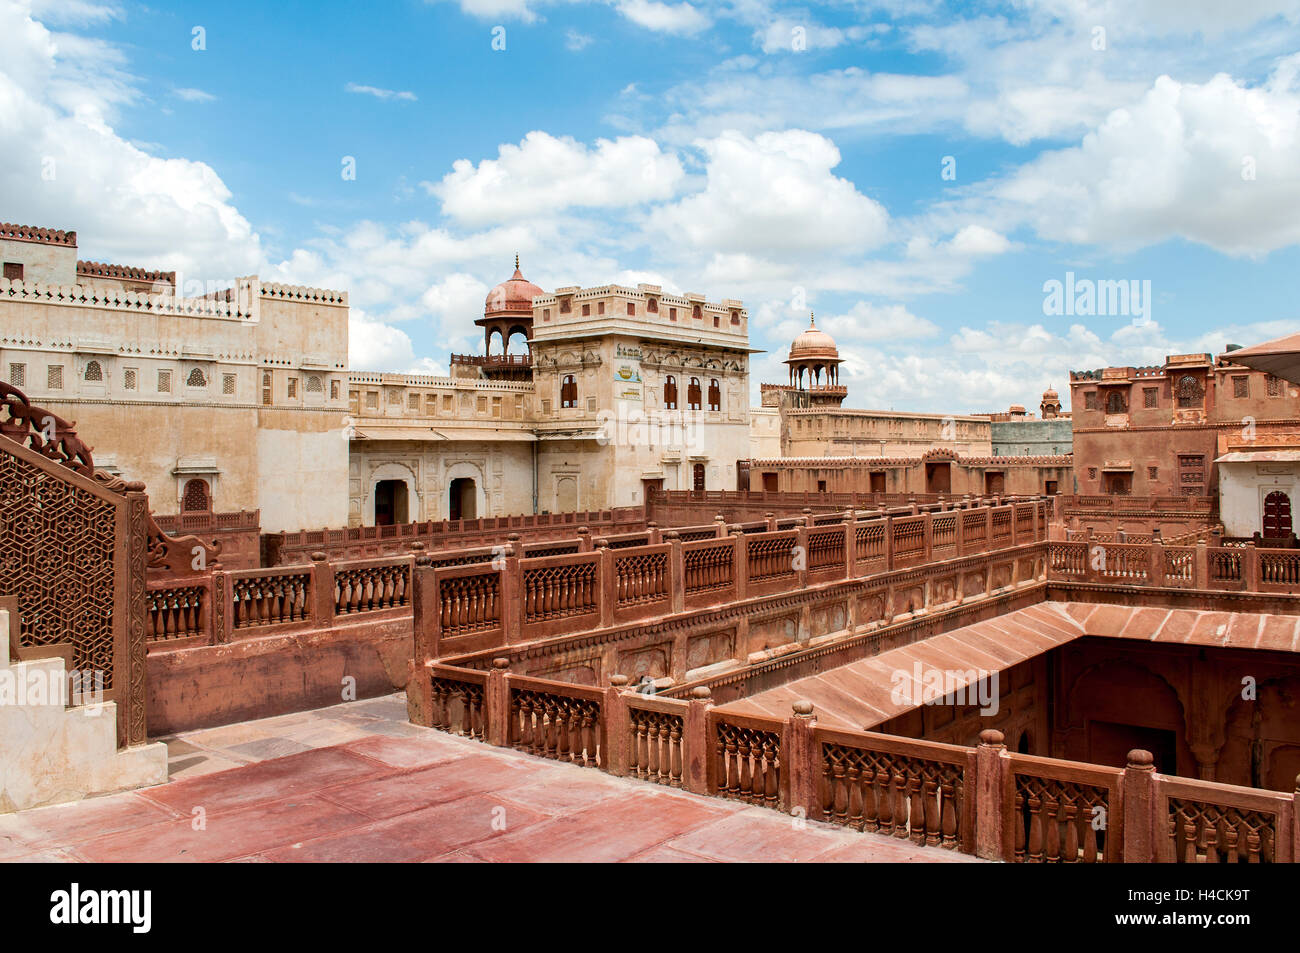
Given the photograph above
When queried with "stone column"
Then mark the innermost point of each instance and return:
(698, 745)
(676, 570)
(496, 704)
(992, 781)
(322, 591)
(1140, 827)
(617, 727)
(802, 765)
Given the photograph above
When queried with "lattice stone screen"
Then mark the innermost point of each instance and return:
(73, 553)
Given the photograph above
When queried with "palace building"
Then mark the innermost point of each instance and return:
(229, 401)
(805, 440)
(584, 398)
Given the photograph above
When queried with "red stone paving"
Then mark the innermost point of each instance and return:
(428, 797)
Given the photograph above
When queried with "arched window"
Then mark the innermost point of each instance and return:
(693, 394)
(196, 496)
(314, 385)
(652, 306)
(196, 378)
(715, 395)
(266, 388)
(697, 312)
(1189, 392)
(569, 391)
(670, 393)
(1115, 403)
(94, 372)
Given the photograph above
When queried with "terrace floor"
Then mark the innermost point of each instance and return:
(357, 782)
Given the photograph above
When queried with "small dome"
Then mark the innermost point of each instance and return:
(1050, 394)
(813, 343)
(514, 294)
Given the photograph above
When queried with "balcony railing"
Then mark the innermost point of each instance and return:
(980, 800)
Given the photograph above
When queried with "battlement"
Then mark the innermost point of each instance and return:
(268, 289)
(109, 297)
(231, 303)
(43, 236)
(95, 269)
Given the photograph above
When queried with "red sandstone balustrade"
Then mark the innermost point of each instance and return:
(1197, 821)
(745, 760)
(639, 580)
(1232, 568)
(982, 800)
(456, 701)
(709, 572)
(265, 598)
(919, 790)
(559, 593)
(358, 542)
(770, 562)
(1063, 812)
(658, 739)
(179, 613)
(557, 720)
(371, 585)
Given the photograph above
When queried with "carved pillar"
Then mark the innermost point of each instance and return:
(676, 570)
(496, 704)
(1141, 827)
(322, 591)
(800, 758)
(617, 726)
(993, 782)
(129, 669)
(607, 583)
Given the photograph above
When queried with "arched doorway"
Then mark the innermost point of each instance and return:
(196, 496)
(1277, 515)
(697, 478)
(391, 503)
(462, 499)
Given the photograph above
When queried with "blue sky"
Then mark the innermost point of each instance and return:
(790, 155)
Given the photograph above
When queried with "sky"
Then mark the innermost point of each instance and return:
(944, 184)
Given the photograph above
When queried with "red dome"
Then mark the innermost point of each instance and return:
(514, 294)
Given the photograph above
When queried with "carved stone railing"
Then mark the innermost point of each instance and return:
(1064, 812)
(1205, 566)
(979, 800)
(359, 542)
(179, 612)
(372, 585)
(593, 586)
(922, 791)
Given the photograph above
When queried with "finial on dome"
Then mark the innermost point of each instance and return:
(516, 261)
(812, 319)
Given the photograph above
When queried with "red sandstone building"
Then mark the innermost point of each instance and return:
(1157, 431)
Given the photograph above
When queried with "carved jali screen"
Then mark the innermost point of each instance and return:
(57, 557)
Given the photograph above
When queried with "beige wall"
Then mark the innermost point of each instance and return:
(287, 458)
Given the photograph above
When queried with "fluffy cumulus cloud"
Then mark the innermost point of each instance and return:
(1212, 162)
(679, 18)
(774, 194)
(544, 174)
(64, 166)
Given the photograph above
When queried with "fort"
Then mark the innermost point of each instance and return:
(526, 579)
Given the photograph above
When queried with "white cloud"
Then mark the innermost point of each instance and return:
(772, 195)
(194, 95)
(679, 18)
(380, 93)
(1176, 163)
(375, 346)
(575, 41)
(62, 164)
(545, 174)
